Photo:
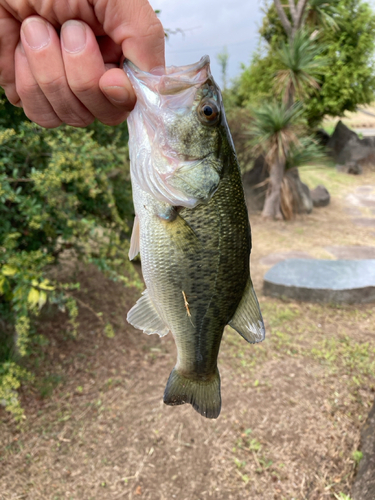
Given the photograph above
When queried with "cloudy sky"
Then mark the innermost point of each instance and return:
(209, 26)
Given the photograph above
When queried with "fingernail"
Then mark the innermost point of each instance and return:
(117, 94)
(73, 34)
(36, 33)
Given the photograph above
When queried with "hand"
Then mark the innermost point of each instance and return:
(60, 60)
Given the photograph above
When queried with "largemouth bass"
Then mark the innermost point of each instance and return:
(191, 227)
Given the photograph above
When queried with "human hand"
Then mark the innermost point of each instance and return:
(59, 60)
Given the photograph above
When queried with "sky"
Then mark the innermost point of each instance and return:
(208, 26)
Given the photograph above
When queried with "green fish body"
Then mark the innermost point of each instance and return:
(191, 228)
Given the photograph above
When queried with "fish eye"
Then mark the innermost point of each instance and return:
(208, 112)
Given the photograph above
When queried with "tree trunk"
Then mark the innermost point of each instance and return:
(272, 204)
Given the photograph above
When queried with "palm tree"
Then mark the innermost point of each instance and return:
(300, 67)
(322, 13)
(274, 132)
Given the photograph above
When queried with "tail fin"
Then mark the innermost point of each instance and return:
(203, 395)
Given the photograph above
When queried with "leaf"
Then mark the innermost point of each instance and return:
(33, 297)
(45, 286)
(2, 282)
(8, 270)
(42, 299)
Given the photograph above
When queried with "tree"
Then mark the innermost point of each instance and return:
(296, 14)
(274, 133)
(301, 66)
(222, 59)
(345, 82)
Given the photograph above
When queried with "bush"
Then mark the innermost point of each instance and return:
(61, 190)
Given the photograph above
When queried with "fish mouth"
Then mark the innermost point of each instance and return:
(171, 80)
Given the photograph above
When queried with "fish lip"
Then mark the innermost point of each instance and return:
(159, 72)
(170, 80)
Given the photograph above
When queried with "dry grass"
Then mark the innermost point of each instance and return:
(96, 427)
(358, 119)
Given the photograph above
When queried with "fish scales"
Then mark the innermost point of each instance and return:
(194, 251)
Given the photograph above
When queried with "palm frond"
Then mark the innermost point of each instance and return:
(273, 129)
(301, 65)
(307, 152)
(323, 13)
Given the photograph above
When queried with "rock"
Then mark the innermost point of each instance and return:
(322, 137)
(352, 167)
(345, 146)
(320, 196)
(328, 281)
(364, 483)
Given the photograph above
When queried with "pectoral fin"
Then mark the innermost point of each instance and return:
(182, 235)
(144, 316)
(134, 240)
(247, 320)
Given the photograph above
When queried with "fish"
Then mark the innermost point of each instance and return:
(191, 227)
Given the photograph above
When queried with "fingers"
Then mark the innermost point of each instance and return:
(67, 81)
(110, 100)
(9, 37)
(135, 27)
(42, 84)
(35, 104)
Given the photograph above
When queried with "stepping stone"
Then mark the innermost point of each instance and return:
(354, 252)
(274, 258)
(329, 281)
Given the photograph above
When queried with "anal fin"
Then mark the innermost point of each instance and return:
(134, 240)
(144, 316)
(247, 320)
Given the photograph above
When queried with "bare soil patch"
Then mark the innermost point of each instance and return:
(293, 407)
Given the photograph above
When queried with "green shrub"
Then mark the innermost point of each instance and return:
(61, 190)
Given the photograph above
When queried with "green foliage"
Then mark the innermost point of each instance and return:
(300, 66)
(306, 152)
(346, 32)
(357, 457)
(349, 79)
(61, 190)
(274, 128)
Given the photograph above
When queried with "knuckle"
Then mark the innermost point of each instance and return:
(24, 89)
(79, 122)
(83, 87)
(46, 120)
(114, 120)
(154, 30)
(54, 85)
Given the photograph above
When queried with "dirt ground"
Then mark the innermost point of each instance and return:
(292, 407)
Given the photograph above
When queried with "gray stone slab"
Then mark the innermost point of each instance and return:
(329, 281)
(352, 252)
